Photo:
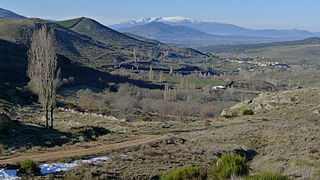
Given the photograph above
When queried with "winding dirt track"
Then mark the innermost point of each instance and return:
(90, 148)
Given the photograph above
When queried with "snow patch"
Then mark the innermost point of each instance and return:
(6, 174)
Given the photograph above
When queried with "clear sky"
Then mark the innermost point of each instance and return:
(257, 14)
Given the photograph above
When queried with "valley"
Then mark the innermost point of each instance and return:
(131, 105)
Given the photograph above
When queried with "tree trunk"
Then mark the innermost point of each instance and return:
(51, 118)
(47, 118)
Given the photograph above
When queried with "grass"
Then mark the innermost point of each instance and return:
(69, 23)
(267, 176)
(184, 173)
(230, 165)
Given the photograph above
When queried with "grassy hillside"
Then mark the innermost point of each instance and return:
(69, 23)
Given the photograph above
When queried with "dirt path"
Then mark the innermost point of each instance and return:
(90, 148)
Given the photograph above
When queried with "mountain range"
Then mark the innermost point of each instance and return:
(224, 33)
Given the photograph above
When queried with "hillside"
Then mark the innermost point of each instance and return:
(9, 14)
(283, 129)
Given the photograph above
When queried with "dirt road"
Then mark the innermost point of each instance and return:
(90, 148)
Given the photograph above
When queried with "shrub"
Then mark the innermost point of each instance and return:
(228, 116)
(267, 176)
(30, 167)
(91, 101)
(185, 173)
(207, 110)
(247, 112)
(230, 165)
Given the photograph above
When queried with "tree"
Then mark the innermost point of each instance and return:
(151, 74)
(43, 70)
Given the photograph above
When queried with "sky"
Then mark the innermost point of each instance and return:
(256, 14)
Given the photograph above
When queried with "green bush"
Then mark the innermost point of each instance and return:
(248, 112)
(185, 173)
(30, 167)
(267, 176)
(230, 165)
(228, 116)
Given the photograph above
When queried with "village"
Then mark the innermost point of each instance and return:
(253, 61)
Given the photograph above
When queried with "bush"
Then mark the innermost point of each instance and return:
(247, 112)
(30, 167)
(90, 101)
(231, 116)
(185, 173)
(230, 165)
(267, 176)
(207, 110)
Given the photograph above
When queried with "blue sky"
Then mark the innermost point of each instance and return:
(257, 14)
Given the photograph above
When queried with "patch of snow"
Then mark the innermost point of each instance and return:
(6, 174)
(163, 19)
(178, 19)
(57, 167)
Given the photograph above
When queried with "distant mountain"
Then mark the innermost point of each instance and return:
(217, 28)
(186, 36)
(144, 21)
(9, 14)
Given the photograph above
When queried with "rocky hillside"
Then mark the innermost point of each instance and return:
(284, 131)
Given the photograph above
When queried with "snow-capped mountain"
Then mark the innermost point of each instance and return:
(217, 28)
(147, 20)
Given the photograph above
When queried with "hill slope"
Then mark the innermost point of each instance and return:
(284, 130)
(9, 14)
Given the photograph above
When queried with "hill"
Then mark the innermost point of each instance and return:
(9, 14)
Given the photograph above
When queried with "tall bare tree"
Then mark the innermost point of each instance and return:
(43, 70)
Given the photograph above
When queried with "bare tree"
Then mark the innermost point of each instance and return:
(43, 70)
